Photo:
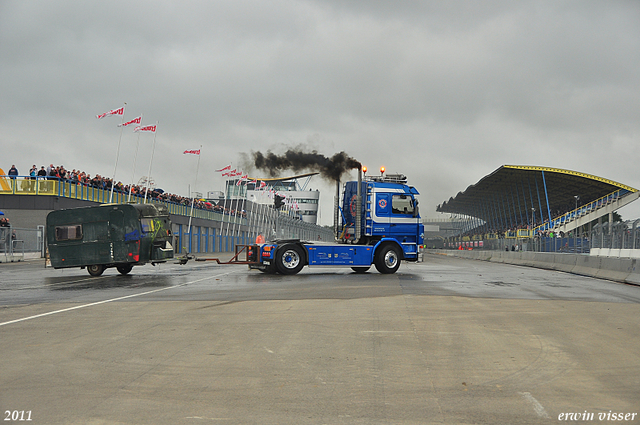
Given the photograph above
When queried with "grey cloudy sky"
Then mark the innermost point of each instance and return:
(442, 91)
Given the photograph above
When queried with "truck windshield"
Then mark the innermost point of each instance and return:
(402, 204)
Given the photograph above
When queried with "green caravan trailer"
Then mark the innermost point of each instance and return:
(109, 235)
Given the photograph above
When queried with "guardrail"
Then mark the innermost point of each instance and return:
(49, 186)
(582, 210)
(257, 218)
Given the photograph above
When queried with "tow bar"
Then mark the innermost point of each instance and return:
(251, 256)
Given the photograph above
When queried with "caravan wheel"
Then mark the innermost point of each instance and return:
(124, 269)
(95, 269)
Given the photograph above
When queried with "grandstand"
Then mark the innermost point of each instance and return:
(528, 201)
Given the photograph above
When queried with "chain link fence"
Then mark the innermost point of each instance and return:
(16, 242)
(619, 235)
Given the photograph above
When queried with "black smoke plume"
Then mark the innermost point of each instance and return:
(297, 160)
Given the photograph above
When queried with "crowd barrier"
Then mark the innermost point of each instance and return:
(220, 232)
(618, 269)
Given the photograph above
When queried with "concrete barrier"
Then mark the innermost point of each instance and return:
(634, 275)
(615, 252)
(610, 268)
(564, 262)
(587, 266)
(625, 253)
(617, 269)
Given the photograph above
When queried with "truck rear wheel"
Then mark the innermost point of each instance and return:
(289, 259)
(95, 269)
(388, 260)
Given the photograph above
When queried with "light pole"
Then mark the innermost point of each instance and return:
(533, 218)
(533, 227)
(575, 239)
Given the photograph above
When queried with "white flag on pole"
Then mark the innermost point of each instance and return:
(119, 111)
(146, 128)
(133, 121)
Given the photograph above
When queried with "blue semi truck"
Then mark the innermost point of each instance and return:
(376, 223)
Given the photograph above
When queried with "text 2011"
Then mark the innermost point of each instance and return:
(17, 415)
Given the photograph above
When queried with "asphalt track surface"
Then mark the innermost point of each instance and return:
(446, 341)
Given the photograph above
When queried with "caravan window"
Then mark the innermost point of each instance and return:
(148, 226)
(67, 233)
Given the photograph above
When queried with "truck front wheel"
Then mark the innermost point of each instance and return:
(289, 259)
(388, 260)
(95, 269)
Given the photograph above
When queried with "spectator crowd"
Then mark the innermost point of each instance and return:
(74, 176)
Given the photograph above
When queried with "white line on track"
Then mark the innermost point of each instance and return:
(112, 299)
(536, 405)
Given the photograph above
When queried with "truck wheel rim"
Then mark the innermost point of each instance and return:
(290, 259)
(390, 259)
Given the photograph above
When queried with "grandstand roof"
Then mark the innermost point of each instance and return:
(512, 189)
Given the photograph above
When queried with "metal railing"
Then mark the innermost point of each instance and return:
(50, 186)
(252, 219)
(583, 210)
(619, 235)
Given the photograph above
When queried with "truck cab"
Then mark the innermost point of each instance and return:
(379, 225)
(389, 210)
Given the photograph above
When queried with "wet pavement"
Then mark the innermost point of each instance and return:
(443, 341)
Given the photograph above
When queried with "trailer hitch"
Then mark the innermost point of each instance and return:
(251, 255)
(184, 259)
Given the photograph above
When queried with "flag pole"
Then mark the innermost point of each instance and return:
(113, 181)
(224, 203)
(135, 158)
(233, 232)
(234, 220)
(265, 211)
(235, 217)
(228, 167)
(193, 199)
(251, 219)
(228, 218)
(146, 192)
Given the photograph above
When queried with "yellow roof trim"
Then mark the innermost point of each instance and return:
(571, 173)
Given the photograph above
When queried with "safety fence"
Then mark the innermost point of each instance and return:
(240, 223)
(16, 242)
(260, 219)
(51, 186)
(617, 236)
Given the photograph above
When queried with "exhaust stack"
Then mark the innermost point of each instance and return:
(358, 231)
(336, 210)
